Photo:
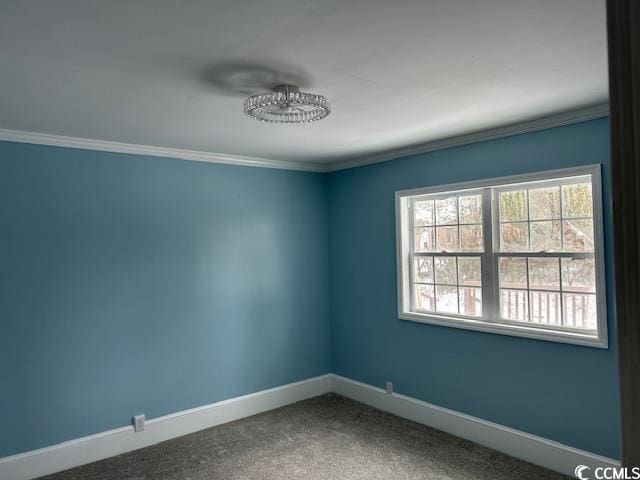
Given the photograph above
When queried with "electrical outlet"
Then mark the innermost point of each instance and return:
(139, 422)
(389, 388)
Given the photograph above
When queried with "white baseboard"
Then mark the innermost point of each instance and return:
(531, 448)
(534, 449)
(36, 463)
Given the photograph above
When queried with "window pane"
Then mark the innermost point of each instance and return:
(544, 203)
(545, 308)
(577, 200)
(471, 238)
(545, 236)
(447, 211)
(423, 212)
(513, 272)
(424, 298)
(514, 305)
(578, 275)
(543, 233)
(470, 301)
(470, 209)
(578, 235)
(424, 241)
(579, 310)
(446, 299)
(446, 270)
(469, 271)
(513, 206)
(544, 273)
(514, 237)
(423, 269)
(447, 239)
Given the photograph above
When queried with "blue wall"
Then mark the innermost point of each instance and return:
(562, 392)
(134, 284)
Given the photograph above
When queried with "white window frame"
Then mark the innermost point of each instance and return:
(491, 321)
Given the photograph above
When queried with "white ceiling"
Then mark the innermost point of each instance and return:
(174, 73)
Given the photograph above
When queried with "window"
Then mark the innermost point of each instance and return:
(518, 255)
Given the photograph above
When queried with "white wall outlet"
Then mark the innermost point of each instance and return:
(389, 388)
(139, 422)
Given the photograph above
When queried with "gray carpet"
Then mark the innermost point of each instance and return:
(328, 437)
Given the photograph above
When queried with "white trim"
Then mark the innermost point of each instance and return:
(550, 121)
(36, 463)
(531, 448)
(130, 148)
(494, 324)
(80, 451)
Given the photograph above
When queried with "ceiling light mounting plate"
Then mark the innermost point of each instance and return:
(286, 89)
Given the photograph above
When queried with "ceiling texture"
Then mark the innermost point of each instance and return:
(399, 74)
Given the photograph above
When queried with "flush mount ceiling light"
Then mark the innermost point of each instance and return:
(287, 104)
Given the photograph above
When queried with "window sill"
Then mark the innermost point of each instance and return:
(536, 333)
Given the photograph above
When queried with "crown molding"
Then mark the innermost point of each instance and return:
(557, 120)
(130, 148)
(542, 123)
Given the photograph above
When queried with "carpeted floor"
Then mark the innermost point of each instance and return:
(328, 437)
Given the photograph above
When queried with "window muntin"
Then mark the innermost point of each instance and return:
(515, 255)
(531, 290)
(450, 223)
(447, 284)
(446, 243)
(553, 216)
(547, 218)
